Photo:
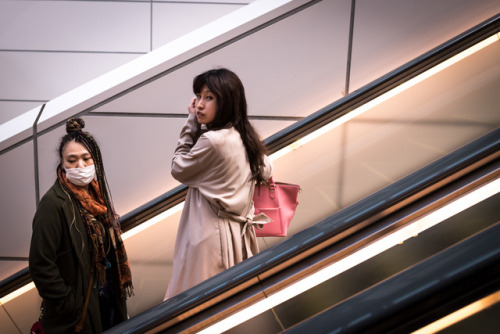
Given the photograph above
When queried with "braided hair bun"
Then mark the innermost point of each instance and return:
(74, 125)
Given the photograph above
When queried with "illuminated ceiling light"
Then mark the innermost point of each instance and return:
(365, 253)
(384, 97)
(17, 293)
(156, 219)
(460, 315)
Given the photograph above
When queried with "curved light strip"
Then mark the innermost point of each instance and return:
(17, 293)
(461, 314)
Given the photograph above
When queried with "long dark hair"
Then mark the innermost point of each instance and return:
(232, 111)
(74, 132)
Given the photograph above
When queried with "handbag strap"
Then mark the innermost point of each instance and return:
(79, 325)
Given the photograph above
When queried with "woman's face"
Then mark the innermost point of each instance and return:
(75, 155)
(205, 106)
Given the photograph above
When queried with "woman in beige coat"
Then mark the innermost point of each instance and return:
(220, 157)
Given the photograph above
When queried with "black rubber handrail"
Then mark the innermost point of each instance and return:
(307, 125)
(418, 296)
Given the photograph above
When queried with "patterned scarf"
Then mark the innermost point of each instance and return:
(91, 207)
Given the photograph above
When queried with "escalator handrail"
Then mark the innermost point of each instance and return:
(450, 279)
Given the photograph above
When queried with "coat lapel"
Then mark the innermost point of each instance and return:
(76, 228)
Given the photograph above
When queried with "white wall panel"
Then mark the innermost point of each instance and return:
(292, 71)
(169, 94)
(243, 2)
(48, 157)
(151, 273)
(267, 128)
(43, 76)
(75, 25)
(17, 203)
(171, 20)
(8, 267)
(297, 65)
(6, 325)
(11, 109)
(23, 312)
(137, 153)
(389, 33)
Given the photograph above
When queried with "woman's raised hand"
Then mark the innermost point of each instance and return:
(192, 106)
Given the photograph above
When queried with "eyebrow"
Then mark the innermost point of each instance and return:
(77, 155)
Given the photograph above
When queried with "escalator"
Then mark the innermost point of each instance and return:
(270, 293)
(458, 255)
(371, 165)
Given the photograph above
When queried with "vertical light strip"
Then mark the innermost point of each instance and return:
(384, 97)
(367, 252)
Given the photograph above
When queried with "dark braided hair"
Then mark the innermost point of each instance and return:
(232, 111)
(74, 129)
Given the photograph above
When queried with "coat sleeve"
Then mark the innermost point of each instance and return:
(191, 160)
(267, 169)
(43, 256)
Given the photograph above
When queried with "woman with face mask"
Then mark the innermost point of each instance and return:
(77, 259)
(220, 157)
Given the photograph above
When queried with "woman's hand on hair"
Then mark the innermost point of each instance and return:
(192, 106)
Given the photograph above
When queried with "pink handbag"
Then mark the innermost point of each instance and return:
(278, 201)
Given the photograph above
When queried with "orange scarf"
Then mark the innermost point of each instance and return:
(91, 206)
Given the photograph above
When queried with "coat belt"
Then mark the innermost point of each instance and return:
(248, 220)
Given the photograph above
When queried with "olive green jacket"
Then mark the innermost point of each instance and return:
(60, 265)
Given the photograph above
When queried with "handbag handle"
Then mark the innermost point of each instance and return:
(270, 183)
(79, 325)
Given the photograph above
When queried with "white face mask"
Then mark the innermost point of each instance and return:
(80, 176)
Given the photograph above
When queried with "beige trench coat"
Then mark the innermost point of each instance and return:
(209, 238)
